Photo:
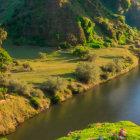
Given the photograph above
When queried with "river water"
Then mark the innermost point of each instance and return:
(113, 101)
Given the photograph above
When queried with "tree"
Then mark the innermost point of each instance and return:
(81, 52)
(3, 35)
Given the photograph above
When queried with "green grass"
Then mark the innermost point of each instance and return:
(95, 130)
(58, 63)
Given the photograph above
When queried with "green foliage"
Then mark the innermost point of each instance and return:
(81, 52)
(3, 92)
(126, 4)
(88, 28)
(55, 99)
(4, 58)
(42, 55)
(16, 62)
(129, 130)
(27, 66)
(19, 87)
(92, 57)
(65, 45)
(87, 72)
(114, 67)
(37, 93)
(35, 102)
(3, 35)
(3, 139)
(55, 84)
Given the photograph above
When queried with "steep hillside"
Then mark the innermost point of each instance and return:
(72, 21)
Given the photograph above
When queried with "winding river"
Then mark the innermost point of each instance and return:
(113, 101)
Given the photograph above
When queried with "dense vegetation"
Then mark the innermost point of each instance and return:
(93, 22)
(88, 43)
(108, 131)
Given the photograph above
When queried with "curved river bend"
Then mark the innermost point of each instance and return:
(113, 101)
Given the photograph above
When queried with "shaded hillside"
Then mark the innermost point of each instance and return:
(73, 21)
(129, 8)
(133, 15)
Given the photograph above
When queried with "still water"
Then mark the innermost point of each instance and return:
(113, 101)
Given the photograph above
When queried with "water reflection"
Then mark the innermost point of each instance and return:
(116, 100)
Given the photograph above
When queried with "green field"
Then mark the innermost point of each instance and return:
(58, 63)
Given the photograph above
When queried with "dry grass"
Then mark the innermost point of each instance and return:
(63, 64)
(15, 111)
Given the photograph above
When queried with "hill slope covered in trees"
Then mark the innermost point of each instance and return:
(72, 21)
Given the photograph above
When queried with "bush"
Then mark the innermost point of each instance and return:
(35, 102)
(129, 59)
(55, 84)
(37, 93)
(65, 45)
(115, 66)
(55, 99)
(81, 52)
(42, 55)
(1, 96)
(27, 66)
(4, 58)
(87, 72)
(119, 65)
(16, 62)
(92, 57)
(106, 75)
(19, 87)
(111, 67)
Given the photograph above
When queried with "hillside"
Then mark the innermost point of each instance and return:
(72, 21)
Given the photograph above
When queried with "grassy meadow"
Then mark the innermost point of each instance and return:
(58, 63)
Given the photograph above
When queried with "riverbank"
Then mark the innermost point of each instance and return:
(15, 110)
(14, 119)
(121, 130)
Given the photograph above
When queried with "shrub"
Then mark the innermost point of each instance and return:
(119, 65)
(37, 93)
(81, 52)
(55, 84)
(1, 96)
(106, 75)
(16, 62)
(42, 55)
(27, 66)
(92, 57)
(115, 66)
(4, 58)
(55, 99)
(87, 72)
(35, 102)
(111, 67)
(19, 87)
(129, 59)
(65, 45)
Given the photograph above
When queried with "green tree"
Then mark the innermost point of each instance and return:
(3, 35)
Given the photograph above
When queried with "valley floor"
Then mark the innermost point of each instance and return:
(59, 63)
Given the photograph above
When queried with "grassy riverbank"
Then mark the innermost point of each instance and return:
(59, 63)
(15, 110)
(108, 131)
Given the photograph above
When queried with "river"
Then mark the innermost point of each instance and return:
(113, 101)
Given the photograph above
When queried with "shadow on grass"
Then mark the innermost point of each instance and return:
(67, 75)
(110, 57)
